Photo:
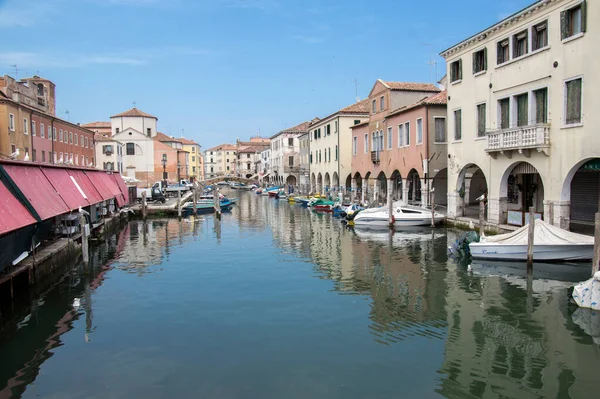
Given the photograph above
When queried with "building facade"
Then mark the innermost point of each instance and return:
(264, 173)
(29, 129)
(330, 155)
(220, 161)
(304, 182)
(195, 169)
(521, 105)
(285, 152)
(248, 156)
(391, 150)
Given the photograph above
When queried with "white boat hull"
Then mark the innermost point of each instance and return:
(374, 221)
(540, 252)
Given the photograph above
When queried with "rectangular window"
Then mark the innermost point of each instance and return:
(82, 141)
(456, 71)
(11, 122)
(25, 126)
(356, 121)
(335, 126)
(374, 106)
(481, 120)
(50, 134)
(60, 135)
(504, 113)
(573, 101)
(33, 132)
(520, 44)
(76, 138)
(480, 61)
(291, 160)
(43, 156)
(389, 138)
(407, 133)
(60, 157)
(87, 143)
(440, 130)
(522, 110)
(149, 132)
(290, 142)
(400, 135)
(354, 145)
(42, 131)
(130, 149)
(381, 103)
(573, 20)
(503, 52)
(33, 155)
(366, 143)
(70, 137)
(541, 105)
(13, 148)
(336, 152)
(419, 131)
(539, 36)
(54, 133)
(458, 125)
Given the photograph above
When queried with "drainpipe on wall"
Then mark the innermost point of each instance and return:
(31, 124)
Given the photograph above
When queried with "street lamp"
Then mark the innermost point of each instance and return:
(164, 164)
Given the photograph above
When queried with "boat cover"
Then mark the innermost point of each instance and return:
(544, 234)
(587, 294)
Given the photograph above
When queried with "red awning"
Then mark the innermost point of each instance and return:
(123, 188)
(97, 181)
(70, 192)
(13, 215)
(38, 190)
(104, 180)
(87, 186)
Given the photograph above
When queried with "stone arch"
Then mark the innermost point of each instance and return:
(414, 187)
(335, 180)
(327, 182)
(381, 187)
(319, 182)
(396, 181)
(291, 180)
(522, 186)
(348, 182)
(579, 196)
(358, 180)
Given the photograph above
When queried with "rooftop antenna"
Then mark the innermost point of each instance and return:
(432, 63)
(356, 90)
(16, 68)
(67, 113)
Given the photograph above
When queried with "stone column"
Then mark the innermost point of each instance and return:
(558, 213)
(454, 205)
(365, 184)
(405, 184)
(390, 191)
(497, 210)
(424, 193)
(352, 190)
(467, 188)
(376, 190)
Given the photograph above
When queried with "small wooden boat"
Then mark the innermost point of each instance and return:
(204, 208)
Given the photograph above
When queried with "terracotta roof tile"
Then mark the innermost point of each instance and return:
(438, 99)
(100, 137)
(164, 138)
(185, 141)
(134, 112)
(408, 86)
(96, 124)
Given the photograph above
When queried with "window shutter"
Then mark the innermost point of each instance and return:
(499, 53)
(475, 62)
(564, 28)
(460, 69)
(485, 59)
(583, 15)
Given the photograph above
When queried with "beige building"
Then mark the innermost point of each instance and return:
(196, 159)
(330, 148)
(220, 161)
(522, 116)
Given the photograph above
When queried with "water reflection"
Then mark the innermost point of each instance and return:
(274, 296)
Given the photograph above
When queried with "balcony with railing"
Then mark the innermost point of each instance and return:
(522, 139)
(375, 156)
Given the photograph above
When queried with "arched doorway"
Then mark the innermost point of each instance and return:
(522, 186)
(581, 188)
(381, 188)
(471, 178)
(327, 182)
(336, 181)
(440, 185)
(319, 183)
(313, 183)
(367, 186)
(414, 187)
(291, 180)
(397, 185)
(348, 184)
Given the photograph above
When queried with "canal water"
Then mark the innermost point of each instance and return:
(275, 301)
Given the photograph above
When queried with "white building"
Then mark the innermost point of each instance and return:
(285, 151)
(522, 115)
(220, 161)
(330, 157)
(109, 153)
(264, 171)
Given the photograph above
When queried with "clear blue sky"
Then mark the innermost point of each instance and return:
(223, 69)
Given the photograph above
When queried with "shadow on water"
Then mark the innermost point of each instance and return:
(277, 301)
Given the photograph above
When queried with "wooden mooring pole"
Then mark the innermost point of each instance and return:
(432, 194)
(596, 264)
(195, 201)
(481, 217)
(217, 202)
(144, 205)
(85, 252)
(179, 204)
(530, 240)
(390, 205)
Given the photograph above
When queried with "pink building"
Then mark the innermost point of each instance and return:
(401, 152)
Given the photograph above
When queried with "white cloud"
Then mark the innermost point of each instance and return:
(32, 59)
(308, 39)
(23, 13)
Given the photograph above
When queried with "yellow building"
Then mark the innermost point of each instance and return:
(196, 161)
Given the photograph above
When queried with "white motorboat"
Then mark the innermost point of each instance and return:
(550, 243)
(403, 216)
